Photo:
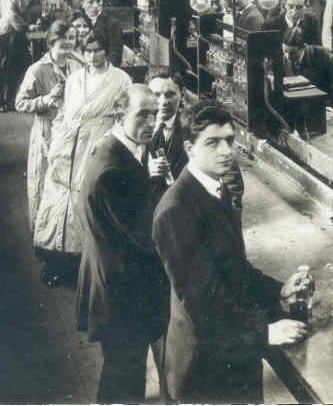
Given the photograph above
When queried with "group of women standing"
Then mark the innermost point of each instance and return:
(71, 91)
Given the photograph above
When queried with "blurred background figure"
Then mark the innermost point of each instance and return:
(311, 61)
(41, 94)
(14, 48)
(248, 16)
(87, 113)
(295, 16)
(104, 24)
(82, 25)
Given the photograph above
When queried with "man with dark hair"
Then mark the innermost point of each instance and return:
(118, 300)
(168, 87)
(295, 16)
(219, 325)
(311, 61)
(105, 25)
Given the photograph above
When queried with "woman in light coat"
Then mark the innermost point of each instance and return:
(41, 94)
(87, 113)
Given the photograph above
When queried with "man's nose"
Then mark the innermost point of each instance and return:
(224, 148)
(151, 120)
(162, 100)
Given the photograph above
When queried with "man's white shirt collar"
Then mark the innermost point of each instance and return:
(169, 126)
(211, 185)
(135, 149)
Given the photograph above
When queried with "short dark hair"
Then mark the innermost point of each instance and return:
(57, 31)
(175, 76)
(91, 38)
(294, 37)
(202, 114)
(77, 14)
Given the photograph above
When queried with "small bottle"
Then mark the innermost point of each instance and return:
(300, 308)
(168, 177)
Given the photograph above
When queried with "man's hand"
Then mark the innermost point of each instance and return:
(286, 331)
(158, 166)
(299, 281)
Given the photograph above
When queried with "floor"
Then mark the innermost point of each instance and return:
(43, 358)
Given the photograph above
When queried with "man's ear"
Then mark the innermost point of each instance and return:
(118, 117)
(188, 147)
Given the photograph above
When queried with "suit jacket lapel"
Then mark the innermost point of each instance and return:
(175, 147)
(125, 158)
(218, 210)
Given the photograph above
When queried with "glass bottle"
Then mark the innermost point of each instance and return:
(300, 307)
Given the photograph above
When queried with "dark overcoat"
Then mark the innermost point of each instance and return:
(250, 19)
(219, 302)
(119, 279)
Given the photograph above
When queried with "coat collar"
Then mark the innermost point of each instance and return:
(125, 157)
(212, 209)
(47, 60)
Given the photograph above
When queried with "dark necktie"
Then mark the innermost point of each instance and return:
(159, 134)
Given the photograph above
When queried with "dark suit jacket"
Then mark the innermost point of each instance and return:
(310, 26)
(110, 29)
(317, 66)
(217, 298)
(250, 19)
(119, 279)
(175, 154)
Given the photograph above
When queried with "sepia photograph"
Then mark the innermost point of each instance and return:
(166, 214)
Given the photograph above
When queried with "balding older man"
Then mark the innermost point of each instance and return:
(119, 281)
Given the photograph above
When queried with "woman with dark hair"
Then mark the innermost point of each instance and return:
(104, 24)
(41, 93)
(87, 113)
(83, 27)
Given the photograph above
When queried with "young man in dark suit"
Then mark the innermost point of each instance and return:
(118, 297)
(220, 304)
(105, 25)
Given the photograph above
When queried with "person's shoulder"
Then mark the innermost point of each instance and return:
(108, 14)
(42, 65)
(175, 199)
(310, 17)
(275, 21)
(121, 73)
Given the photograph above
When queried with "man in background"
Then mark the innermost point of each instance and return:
(104, 24)
(294, 16)
(248, 16)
